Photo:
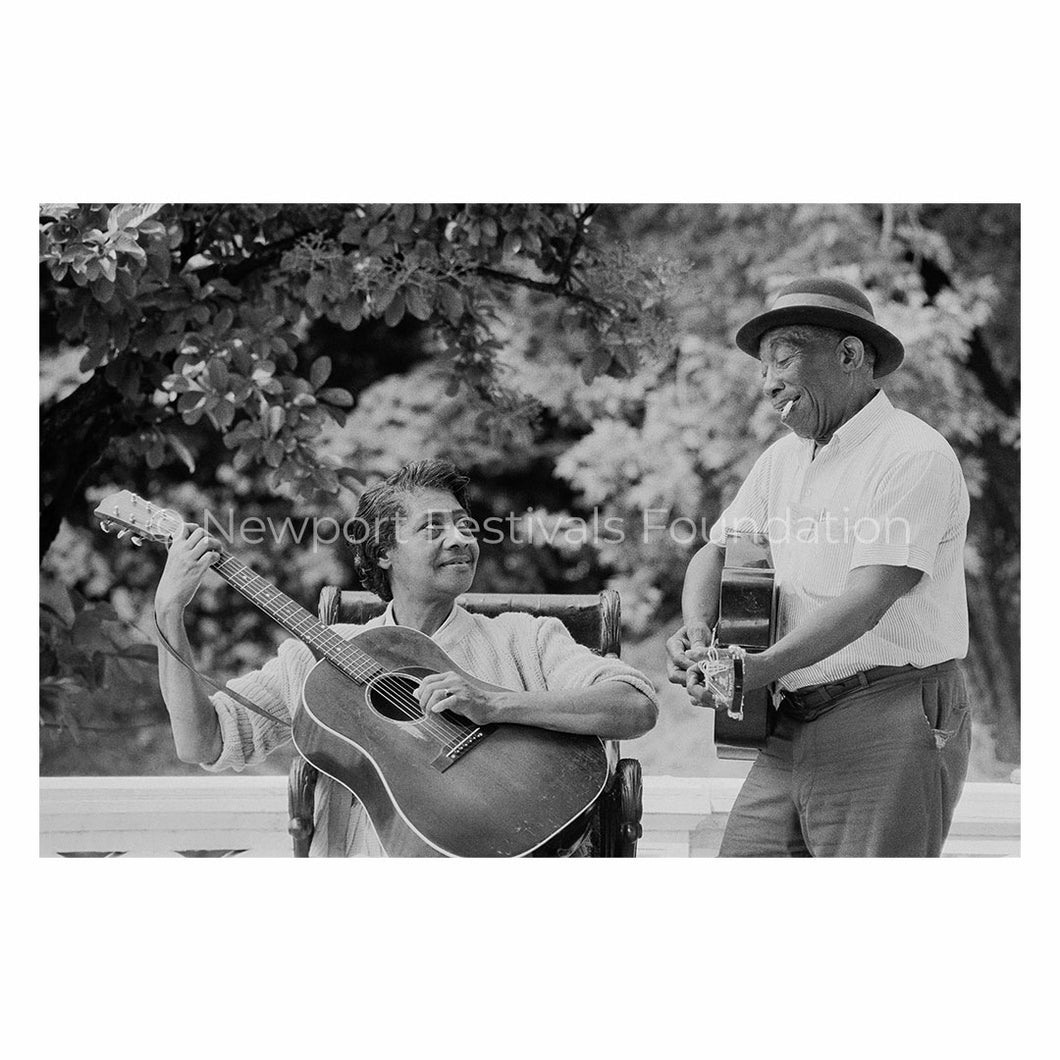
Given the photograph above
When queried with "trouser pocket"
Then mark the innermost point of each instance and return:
(945, 705)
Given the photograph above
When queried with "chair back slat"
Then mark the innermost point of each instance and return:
(593, 619)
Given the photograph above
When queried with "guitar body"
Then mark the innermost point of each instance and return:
(747, 616)
(516, 791)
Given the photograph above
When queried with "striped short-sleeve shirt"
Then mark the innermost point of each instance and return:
(887, 489)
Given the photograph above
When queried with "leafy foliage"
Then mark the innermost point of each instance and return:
(198, 313)
(90, 666)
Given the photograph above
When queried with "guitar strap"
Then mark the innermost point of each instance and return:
(340, 803)
(241, 700)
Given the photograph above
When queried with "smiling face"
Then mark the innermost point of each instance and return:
(815, 377)
(435, 552)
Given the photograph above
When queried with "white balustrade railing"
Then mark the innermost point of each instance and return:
(213, 816)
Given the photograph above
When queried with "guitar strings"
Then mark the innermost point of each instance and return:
(406, 701)
(447, 732)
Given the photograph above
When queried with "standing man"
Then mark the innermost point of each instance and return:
(866, 509)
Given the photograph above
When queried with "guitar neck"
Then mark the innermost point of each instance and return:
(295, 619)
(130, 514)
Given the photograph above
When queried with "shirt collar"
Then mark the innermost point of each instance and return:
(863, 422)
(454, 616)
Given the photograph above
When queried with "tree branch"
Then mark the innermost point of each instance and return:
(575, 244)
(238, 271)
(200, 243)
(556, 289)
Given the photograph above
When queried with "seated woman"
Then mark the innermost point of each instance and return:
(417, 550)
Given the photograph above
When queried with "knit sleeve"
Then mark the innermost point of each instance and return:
(247, 739)
(566, 664)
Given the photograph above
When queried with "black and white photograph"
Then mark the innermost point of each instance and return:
(669, 521)
(508, 530)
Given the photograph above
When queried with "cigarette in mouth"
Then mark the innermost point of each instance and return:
(787, 408)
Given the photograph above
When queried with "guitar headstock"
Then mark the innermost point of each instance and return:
(130, 514)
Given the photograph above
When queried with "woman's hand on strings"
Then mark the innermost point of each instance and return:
(452, 691)
(191, 553)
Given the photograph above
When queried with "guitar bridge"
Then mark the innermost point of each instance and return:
(457, 750)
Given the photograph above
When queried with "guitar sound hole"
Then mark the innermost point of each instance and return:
(394, 697)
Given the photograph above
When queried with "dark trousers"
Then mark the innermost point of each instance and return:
(877, 775)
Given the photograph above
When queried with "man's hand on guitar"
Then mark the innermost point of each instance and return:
(685, 648)
(696, 687)
(190, 556)
(677, 651)
(452, 691)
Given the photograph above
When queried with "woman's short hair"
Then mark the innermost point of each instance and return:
(382, 506)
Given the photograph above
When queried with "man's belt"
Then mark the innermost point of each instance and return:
(806, 703)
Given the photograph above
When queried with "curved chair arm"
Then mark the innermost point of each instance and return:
(617, 826)
(301, 783)
(631, 806)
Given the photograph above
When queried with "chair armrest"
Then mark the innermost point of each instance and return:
(301, 784)
(617, 827)
(631, 806)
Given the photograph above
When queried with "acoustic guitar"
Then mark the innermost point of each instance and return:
(747, 616)
(434, 785)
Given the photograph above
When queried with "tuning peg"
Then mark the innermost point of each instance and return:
(137, 540)
(106, 526)
(122, 533)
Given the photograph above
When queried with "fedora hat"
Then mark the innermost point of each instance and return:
(830, 303)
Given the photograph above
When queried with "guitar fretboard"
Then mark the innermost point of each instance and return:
(296, 619)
